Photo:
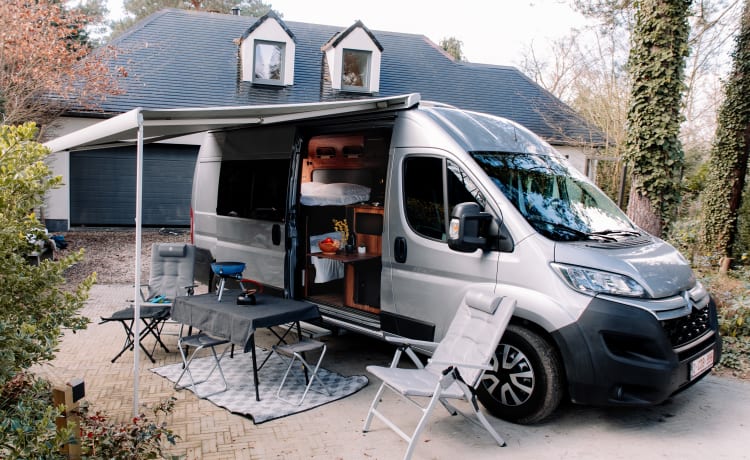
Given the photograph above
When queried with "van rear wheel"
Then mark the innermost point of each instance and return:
(525, 384)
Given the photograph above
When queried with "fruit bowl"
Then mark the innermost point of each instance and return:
(329, 247)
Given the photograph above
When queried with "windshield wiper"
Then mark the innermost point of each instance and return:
(575, 232)
(617, 232)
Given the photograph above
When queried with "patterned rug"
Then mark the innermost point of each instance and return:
(240, 397)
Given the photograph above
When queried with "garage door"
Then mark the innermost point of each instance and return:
(103, 183)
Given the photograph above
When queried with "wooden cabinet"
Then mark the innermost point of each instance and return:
(368, 227)
(354, 270)
(362, 271)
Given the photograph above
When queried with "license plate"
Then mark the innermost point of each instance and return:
(701, 364)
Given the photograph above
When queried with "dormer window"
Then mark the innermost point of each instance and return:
(353, 58)
(267, 52)
(268, 65)
(356, 72)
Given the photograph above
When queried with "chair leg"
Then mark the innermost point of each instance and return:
(193, 383)
(422, 423)
(373, 407)
(309, 380)
(485, 423)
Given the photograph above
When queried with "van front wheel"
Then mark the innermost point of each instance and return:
(525, 383)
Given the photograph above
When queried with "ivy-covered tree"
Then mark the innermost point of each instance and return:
(722, 197)
(653, 149)
(35, 302)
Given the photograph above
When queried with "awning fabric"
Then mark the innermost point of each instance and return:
(161, 124)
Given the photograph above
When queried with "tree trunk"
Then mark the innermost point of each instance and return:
(643, 213)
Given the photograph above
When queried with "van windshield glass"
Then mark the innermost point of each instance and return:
(559, 202)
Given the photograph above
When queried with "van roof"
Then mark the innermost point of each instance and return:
(481, 132)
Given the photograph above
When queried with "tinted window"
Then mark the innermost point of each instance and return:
(254, 189)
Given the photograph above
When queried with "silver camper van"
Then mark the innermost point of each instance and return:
(385, 217)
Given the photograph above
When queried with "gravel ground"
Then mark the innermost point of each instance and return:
(111, 253)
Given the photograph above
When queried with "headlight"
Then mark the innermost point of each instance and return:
(592, 282)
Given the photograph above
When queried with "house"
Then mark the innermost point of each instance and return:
(178, 59)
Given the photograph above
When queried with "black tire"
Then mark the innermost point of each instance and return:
(525, 385)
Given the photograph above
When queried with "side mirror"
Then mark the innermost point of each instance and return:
(468, 228)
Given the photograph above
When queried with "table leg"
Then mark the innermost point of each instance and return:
(255, 367)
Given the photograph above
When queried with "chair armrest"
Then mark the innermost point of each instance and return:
(398, 340)
(486, 367)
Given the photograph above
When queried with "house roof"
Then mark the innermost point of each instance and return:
(178, 59)
(336, 39)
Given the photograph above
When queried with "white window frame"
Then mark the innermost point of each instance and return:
(366, 74)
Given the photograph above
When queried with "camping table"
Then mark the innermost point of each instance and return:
(238, 323)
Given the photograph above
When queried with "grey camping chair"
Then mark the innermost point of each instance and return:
(171, 276)
(455, 369)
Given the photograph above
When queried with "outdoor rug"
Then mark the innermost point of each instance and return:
(240, 397)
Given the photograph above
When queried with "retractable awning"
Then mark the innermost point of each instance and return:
(162, 124)
(142, 126)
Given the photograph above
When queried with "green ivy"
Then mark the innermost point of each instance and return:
(729, 154)
(656, 65)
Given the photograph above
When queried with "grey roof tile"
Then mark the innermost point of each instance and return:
(177, 59)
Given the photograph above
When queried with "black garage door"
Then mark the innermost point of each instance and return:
(103, 183)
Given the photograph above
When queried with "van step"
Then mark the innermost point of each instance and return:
(311, 331)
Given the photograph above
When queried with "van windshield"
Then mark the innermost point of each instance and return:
(558, 201)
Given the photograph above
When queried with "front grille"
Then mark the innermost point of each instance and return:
(685, 329)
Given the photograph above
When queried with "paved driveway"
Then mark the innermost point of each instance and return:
(711, 420)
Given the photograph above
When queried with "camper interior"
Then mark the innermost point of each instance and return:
(343, 181)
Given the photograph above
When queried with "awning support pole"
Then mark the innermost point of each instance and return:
(138, 234)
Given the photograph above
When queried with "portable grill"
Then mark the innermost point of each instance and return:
(227, 270)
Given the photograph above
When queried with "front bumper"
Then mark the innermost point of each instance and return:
(618, 354)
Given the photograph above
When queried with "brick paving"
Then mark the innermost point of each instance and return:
(334, 431)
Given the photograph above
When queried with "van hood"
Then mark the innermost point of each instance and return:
(654, 264)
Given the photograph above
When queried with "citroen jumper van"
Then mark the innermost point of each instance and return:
(426, 202)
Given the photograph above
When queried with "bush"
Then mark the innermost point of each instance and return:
(27, 420)
(138, 438)
(732, 295)
(35, 303)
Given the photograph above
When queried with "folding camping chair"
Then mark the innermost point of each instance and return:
(200, 341)
(296, 352)
(172, 270)
(455, 369)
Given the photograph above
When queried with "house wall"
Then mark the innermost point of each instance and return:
(580, 159)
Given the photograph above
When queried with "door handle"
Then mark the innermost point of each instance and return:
(399, 249)
(276, 234)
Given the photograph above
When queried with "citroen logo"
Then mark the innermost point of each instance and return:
(688, 301)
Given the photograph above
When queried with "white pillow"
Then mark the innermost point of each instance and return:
(340, 193)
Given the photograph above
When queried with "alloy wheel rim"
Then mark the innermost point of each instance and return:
(511, 380)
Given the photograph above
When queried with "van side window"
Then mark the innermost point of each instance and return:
(253, 189)
(431, 188)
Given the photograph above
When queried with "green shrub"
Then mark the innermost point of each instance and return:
(27, 420)
(35, 302)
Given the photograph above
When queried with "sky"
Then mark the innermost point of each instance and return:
(492, 31)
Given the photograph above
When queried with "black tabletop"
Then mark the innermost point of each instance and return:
(237, 323)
